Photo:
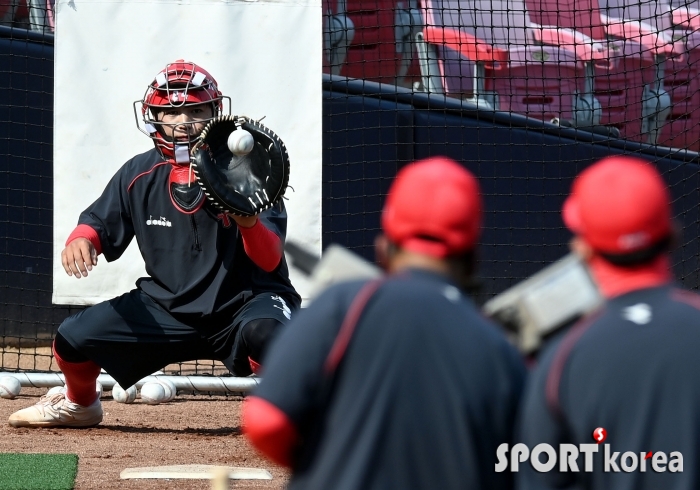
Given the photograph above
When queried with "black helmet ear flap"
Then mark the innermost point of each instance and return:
(185, 193)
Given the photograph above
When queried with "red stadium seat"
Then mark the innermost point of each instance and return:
(26, 14)
(629, 87)
(8, 9)
(22, 12)
(488, 51)
(681, 73)
(5, 6)
(370, 39)
(338, 33)
(686, 14)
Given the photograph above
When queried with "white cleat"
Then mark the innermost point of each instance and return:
(57, 411)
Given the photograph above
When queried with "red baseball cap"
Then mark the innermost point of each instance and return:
(433, 208)
(619, 205)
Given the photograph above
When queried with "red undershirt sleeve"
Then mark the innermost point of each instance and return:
(269, 430)
(263, 246)
(85, 231)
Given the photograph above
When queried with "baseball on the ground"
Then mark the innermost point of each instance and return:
(240, 142)
(9, 387)
(170, 390)
(121, 395)
(154, 393)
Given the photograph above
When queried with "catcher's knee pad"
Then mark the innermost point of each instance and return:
(256, 335)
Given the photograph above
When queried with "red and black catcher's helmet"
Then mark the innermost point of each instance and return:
(178, 84)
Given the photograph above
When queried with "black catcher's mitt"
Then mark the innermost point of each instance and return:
(243, 185)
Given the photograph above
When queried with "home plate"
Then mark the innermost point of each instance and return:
(195, 472)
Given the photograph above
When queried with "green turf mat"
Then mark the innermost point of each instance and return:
(38, 471)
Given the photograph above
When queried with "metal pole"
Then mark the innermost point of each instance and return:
(188, 383)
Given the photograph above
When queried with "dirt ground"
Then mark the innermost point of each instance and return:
(192, 429)
(189, 430)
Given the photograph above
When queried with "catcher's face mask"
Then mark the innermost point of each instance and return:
(182, 88)
(182, 126)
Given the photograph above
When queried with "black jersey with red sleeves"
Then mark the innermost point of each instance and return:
(195, 262)
(425, 393)
(631, 368)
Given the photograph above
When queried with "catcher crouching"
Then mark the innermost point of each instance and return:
(210, 227)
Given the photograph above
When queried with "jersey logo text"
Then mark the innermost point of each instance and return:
(158, 222)
(639, 313)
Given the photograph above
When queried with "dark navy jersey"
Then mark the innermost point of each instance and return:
(195, 262)
(426, 391)
(632, 369)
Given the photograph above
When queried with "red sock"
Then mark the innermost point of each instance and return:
(254, 366)
(81, 380)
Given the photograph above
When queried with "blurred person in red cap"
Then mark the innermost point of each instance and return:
(398, 382)
(624, 378)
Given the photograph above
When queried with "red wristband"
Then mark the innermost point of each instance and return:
(86, 231)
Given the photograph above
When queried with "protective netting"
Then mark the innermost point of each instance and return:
(525, 93)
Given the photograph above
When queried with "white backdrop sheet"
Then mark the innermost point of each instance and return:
(265, 55)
